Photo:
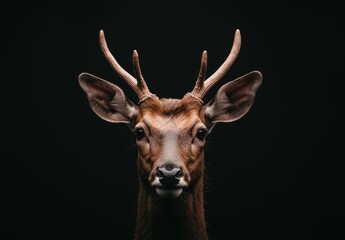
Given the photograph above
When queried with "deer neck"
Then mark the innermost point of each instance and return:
(181, 218)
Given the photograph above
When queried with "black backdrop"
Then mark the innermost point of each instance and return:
(275, 173)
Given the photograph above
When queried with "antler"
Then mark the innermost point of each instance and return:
(137, 84)
(202, 85)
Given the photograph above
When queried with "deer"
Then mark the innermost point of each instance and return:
(170, 136)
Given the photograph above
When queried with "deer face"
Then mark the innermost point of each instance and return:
(170, 136)
(171, 133)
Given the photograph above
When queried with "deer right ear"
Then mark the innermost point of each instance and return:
(107, 100)
(234, 99)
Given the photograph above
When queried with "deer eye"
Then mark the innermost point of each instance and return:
(201, 134)
(139, 133)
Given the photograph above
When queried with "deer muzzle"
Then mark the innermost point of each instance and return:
(169, 181)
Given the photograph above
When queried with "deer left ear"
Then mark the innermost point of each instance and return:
(107, 100)
(234, 99)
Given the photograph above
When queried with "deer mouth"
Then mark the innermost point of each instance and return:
(169, 192)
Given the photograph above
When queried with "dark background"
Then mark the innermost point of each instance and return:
(275, 173)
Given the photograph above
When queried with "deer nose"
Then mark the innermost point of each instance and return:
(169, 175)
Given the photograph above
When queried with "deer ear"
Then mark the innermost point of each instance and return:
(107, 100)
(234, 99)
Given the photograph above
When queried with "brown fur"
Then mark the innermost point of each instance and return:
(170, 106)
(181, 218)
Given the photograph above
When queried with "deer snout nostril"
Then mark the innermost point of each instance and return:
(169, 177)
(178, 173)
(160, 174)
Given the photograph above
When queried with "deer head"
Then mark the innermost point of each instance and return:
(171, 133)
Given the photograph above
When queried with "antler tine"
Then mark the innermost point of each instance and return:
(139, 86)
(141, 81)
(202, 75)
(202, 86)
